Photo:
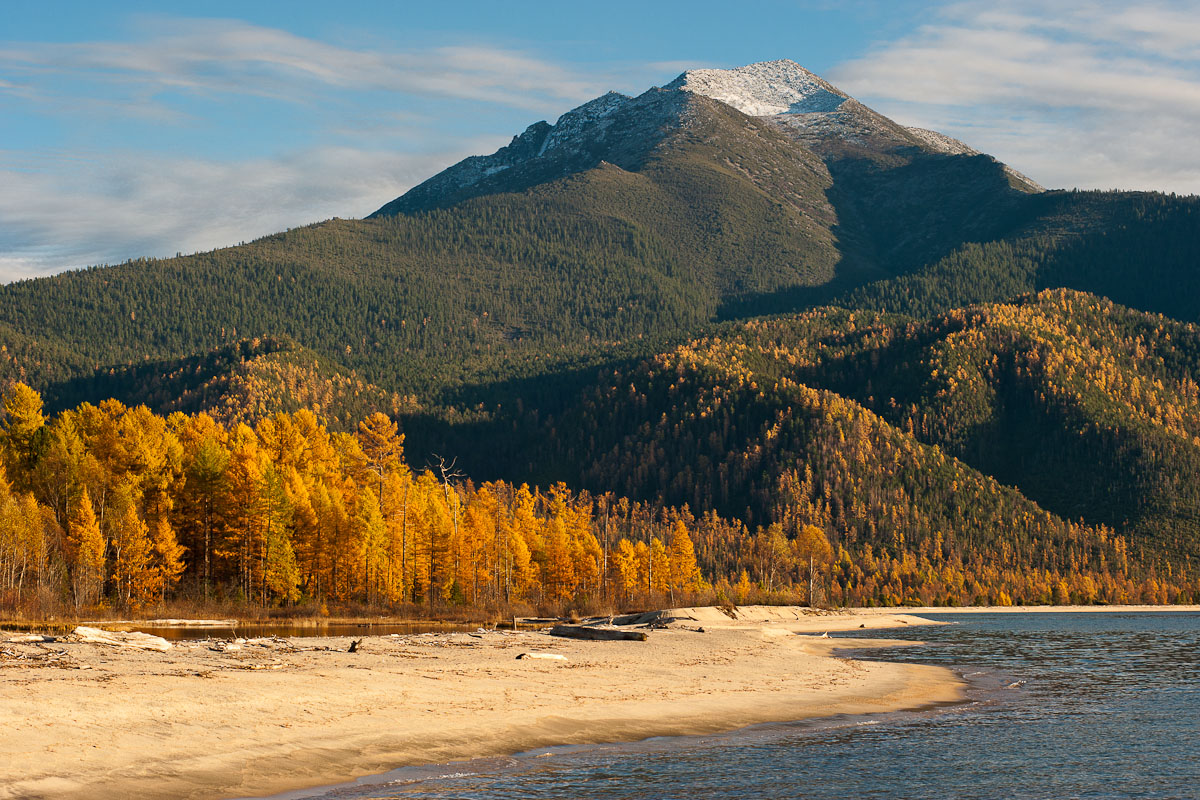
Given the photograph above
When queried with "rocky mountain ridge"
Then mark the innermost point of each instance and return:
(809, 110)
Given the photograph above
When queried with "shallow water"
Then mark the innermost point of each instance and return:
(1063, 705)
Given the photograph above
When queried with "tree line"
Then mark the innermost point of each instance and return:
(115, 506)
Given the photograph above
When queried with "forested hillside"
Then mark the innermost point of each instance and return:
(1009, 433)
(1139, 249)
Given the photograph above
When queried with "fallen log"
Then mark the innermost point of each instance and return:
(140, 641)
(28, 638)
(597, 634)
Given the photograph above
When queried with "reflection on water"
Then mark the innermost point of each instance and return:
(285, 630)
(1064, 705)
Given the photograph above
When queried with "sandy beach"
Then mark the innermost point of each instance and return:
(197, 721)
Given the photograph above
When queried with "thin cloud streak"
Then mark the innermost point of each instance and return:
(230, 56)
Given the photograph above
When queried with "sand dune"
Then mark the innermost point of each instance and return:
(94, 721)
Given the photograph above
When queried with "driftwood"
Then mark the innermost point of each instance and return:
(28, 638)
(139, 641)
(597, 634)
(547, 656)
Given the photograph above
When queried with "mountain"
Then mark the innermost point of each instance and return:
(867, 179)
(631, 222)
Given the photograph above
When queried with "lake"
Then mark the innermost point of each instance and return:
(1103, 705)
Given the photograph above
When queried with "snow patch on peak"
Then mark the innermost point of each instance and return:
(574, 121)
(764, 89)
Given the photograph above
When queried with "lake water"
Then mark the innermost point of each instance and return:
(1062, 706)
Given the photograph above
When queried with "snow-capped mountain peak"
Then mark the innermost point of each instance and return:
(764, 89)
(621, 131)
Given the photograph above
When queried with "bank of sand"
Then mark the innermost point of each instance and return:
(193, 722)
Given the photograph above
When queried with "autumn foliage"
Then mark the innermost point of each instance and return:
(111, 504)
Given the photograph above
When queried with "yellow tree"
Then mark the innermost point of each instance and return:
(623, 568)
(23, 422)
(660, 566)
(382, 447)
(586, 554)
(85, 552)
(25, 541)
(398, 493)
(133, 574)
(202, 506)
(439, 531)
(305, 531)
(371, 532)
(243, 510)
(528, 527)
(558, 569)
(168, 556)
(514, 562)
(279, 575)
(59, 469)
(685, 575)
(478, 541)
(811, 545)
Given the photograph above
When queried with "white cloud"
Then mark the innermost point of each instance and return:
(231, 56)
(1074, 94)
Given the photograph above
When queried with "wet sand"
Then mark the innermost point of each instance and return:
(197, 721)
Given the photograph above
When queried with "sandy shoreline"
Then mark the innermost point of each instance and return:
(101, 721)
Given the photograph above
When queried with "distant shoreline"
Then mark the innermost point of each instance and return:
(206, 719)
(1122, 609)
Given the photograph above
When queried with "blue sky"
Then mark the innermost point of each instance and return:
(139, 128)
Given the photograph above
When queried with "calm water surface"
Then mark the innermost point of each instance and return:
(1063, 706)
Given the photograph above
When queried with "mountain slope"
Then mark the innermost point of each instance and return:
(735, 423)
